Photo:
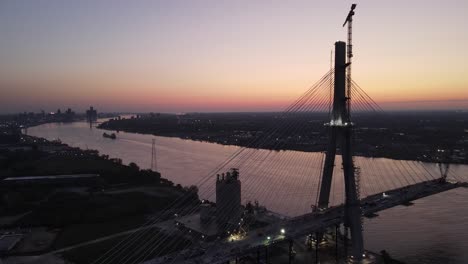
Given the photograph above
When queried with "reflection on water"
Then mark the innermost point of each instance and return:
(432, 231)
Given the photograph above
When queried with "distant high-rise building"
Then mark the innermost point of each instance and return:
(91, 114)
(228, 199)
(69, 115)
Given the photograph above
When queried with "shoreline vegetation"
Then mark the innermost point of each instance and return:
(400, 137)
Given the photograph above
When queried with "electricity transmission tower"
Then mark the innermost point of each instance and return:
(154, 161)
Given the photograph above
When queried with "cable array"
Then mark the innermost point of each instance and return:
(288, 181)
(313, 100)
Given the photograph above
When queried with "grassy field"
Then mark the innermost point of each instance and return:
(79, 233)
(83, 218)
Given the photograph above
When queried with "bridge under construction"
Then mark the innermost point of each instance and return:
(336, 93)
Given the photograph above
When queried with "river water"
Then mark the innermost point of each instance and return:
(433, 230)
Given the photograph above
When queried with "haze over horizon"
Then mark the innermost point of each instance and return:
(203, 56)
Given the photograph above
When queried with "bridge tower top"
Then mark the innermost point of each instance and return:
(340, 116)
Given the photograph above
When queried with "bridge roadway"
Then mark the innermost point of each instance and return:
(222, 251)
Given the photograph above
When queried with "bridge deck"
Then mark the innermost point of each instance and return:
(222, 251)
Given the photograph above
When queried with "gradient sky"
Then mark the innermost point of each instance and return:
(213, 55)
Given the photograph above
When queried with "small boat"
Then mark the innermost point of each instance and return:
(111, 136)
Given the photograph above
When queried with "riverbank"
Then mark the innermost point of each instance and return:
(55, 196)
(403, 139)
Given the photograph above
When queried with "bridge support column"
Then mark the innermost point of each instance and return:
(341, 132)
(328, 167)
(353, 209)
(345, 239)
(290, 251)
(339, 117)
(336, 242)
(317, 241)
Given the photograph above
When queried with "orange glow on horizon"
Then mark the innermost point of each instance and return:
(173, 56)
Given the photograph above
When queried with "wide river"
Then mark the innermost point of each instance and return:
(434, 230)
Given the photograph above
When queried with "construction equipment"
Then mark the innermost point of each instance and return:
(349, 21)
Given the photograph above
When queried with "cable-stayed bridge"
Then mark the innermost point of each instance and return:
(313, 223)
(378, 186)
(345, 188)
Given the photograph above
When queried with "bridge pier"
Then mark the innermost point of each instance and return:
(291, 242)
(317, 241)
(258, 255)
(336, 242)
(340, 129)
(345, 240)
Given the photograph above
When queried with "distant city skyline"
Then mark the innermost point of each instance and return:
(219, 56)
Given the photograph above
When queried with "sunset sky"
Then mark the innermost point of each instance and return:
(214, 55)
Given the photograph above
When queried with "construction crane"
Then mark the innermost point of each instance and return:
(349, 21)
(357, 172)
